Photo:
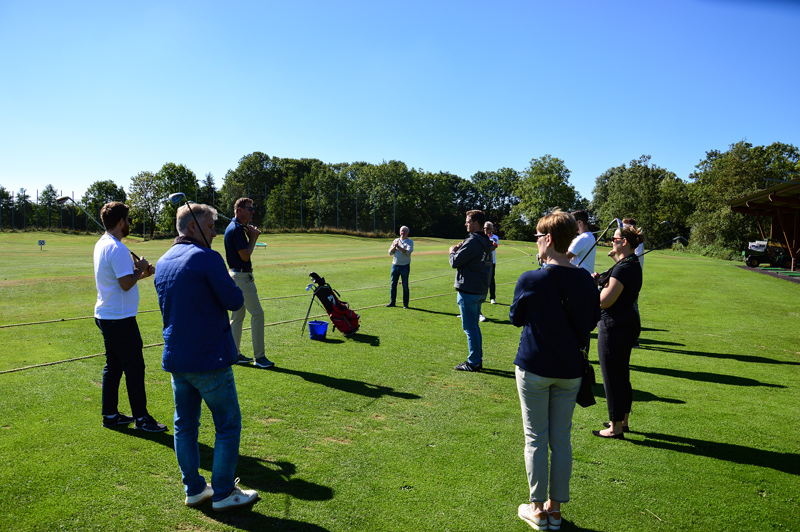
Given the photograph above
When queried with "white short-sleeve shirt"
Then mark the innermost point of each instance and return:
(112, 260)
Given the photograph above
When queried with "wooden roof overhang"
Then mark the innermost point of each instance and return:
(782, 204)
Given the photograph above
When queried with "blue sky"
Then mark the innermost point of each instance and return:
(103, 90)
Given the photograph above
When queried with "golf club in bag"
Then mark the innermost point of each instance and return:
(339, 311)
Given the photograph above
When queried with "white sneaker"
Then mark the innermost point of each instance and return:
(493, 302)
(236, 499)
(200, 498)
(481, 318)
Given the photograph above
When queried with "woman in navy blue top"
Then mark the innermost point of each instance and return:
(619, 329)
(549, 364)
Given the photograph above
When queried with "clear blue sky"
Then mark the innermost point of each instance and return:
(103, 90)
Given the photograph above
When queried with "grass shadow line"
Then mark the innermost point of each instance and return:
(729, 452)
(362, 338)
(704, 376)
(417, 309)
(728, 356)
(509, 374)
(247, 519)
(374, 391)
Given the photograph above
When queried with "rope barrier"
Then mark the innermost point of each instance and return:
(59, 320)
(293, 320)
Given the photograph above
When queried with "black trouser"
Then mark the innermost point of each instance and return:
(123, 344)
(492, 292)
(615, 341)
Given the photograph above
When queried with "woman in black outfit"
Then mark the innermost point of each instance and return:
(618, 330)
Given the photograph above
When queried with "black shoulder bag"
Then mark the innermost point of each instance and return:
(585, 394)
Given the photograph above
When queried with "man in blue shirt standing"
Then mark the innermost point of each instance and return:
(194, 294)
(240, 241)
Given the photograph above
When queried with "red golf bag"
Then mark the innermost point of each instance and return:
(344, 319)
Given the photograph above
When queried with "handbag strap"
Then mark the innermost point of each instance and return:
(568, 311)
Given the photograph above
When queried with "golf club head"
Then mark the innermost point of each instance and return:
(176, 197)
(681, 239)
(61, 200)
(619, 223)
(664, 222)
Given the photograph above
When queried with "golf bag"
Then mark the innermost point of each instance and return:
(344, 319)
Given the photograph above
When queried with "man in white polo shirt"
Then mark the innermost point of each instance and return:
(582, 246)
(116, 274)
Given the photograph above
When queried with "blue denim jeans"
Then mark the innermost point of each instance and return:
(218, 390)
(547, 408)
(397, 272)
(470, 305)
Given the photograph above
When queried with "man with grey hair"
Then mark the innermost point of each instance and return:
(400, 251)
(195, 294)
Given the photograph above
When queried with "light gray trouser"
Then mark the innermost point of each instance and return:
(247, 285)
(547, 407)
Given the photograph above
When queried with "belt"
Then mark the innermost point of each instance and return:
(237, 270)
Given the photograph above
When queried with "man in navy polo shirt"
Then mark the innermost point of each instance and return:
(240, 241)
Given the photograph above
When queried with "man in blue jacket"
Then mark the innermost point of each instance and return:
(195, 294)
(473, 260)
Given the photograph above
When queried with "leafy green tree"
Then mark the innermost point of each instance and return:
(146, 200)
(724, 176)
(48, 208)
(645, 192)
(174, 178)
(24, 208)
(543, 186)
(5, 207)
(496, 195)
(208, 191)
(98, 194)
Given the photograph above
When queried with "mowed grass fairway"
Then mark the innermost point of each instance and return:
(377, 432)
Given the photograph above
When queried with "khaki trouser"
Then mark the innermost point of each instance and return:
(247, 285)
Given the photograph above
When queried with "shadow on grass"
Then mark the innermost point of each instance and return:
(374, 391)
(327, 340)
(741, 358)
(509, 374)
(261, 475)
(639, 396)
(739, 454)
(370, 339)
(415, 309)
(655, 330)
(265, 477)
(647, 344)
(703, 376)
(499, 322)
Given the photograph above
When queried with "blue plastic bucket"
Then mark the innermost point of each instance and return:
(317, 329)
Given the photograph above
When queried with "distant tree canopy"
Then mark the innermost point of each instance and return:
(99, 193)
(647, 193)
(309, 193)
(698, 208)
(543, 187)
(724, 176)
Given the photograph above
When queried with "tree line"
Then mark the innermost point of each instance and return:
(308, 193)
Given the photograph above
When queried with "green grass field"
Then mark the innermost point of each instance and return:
(377, 432)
